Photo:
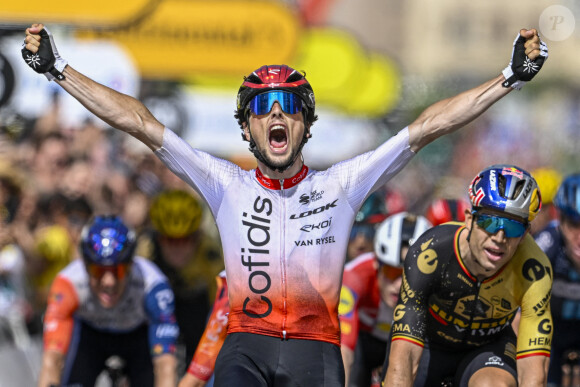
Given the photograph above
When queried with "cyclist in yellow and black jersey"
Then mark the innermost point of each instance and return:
(467, 311)
(462, 287)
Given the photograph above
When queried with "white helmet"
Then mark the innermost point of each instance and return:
(398, 230)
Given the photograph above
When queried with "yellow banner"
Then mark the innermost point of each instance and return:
(100, 13)
(182, 38)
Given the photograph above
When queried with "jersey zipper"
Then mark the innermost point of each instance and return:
(283, 259)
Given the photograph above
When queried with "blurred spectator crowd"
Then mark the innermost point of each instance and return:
(52, 180)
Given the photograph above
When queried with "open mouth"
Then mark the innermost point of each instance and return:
(494, 255)
(278, 137)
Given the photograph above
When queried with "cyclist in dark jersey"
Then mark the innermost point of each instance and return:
(370, 290)
(462, 287)
(284, 227)
(109, 303)
(561, 243)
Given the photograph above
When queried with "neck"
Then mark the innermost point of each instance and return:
(275, 175)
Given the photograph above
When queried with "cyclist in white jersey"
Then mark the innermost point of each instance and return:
(284, 227)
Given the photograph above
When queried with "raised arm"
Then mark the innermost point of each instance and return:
(450, 114)
(121, 111)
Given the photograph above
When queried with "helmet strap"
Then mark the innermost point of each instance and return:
(471, 228)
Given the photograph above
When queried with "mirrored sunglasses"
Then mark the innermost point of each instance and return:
(390, 272)
(98, 271)
(492, 224)
(262, 103)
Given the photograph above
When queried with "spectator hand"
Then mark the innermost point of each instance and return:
(40, 53)
(528, 56)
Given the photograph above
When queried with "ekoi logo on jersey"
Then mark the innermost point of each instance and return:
(256, 255)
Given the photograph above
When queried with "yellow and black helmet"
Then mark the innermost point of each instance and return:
(176, 213)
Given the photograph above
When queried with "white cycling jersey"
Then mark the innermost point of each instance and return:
(285, 241)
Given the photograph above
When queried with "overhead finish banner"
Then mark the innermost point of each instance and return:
(101, 13)
(183, 37)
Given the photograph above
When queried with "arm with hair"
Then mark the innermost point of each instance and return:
(51, 369)
(119, 110)
(404, 360)
(453, 113)
(164, 367)
(533, 371)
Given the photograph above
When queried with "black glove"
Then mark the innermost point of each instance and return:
(521, 69)
(47, 60)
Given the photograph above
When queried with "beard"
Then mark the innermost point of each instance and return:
(280, 164)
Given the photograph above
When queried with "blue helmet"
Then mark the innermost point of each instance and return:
(506, 188)
(107, 241)
(567, 198)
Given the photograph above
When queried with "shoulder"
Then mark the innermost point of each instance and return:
(431, 253)
(529, 249)
(394, 152)
(439, 237)
(149, 271)
(531, 263)
(75, 272)
(176, 151)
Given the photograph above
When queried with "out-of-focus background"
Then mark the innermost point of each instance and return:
(374, 66)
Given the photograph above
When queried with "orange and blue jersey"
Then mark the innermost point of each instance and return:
(147, 299)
